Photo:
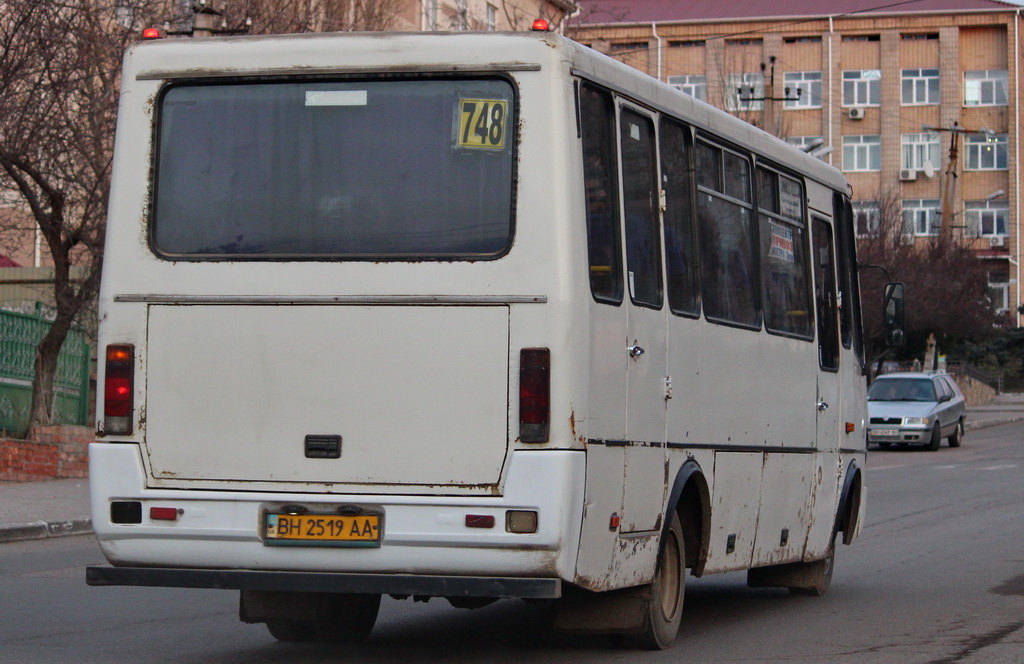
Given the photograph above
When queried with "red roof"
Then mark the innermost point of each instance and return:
(7, 262)
(597, 12)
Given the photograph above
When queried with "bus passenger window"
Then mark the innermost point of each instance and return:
(784, 270)
(825, 294)
(640, 202)
(602, 207)
(728, 279)
(680, 244)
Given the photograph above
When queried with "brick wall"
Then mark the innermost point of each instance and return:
(49, 453)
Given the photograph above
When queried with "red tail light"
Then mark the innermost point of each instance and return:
(119, 389)
(534, 394)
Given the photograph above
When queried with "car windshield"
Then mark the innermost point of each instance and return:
(902, 389)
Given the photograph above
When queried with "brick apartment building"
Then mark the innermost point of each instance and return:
(857, 82)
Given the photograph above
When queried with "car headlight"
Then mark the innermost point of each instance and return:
(916, 420)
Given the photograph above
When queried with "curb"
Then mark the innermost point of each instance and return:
(985, 424)
(45, 529)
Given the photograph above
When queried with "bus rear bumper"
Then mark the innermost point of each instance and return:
(319, 582)
(422, 535)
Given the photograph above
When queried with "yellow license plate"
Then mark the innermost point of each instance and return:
(323, 529)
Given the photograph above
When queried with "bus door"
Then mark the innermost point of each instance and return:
(646, 339)
(828, 405)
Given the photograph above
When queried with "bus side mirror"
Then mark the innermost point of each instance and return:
(894, 316)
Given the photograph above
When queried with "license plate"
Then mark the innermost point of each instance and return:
(885, 432)
(323, 530)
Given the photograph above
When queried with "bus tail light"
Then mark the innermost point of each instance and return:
(534, 394)
(119, 389)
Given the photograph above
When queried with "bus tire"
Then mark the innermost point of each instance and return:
(818, 575)
(346, 618)
(291, 632)
(663, 606)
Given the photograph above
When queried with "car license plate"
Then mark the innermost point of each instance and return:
(323, 530)
(885, 432)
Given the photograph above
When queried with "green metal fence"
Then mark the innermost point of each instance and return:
(19, 336)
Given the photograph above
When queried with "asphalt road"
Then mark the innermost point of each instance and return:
(937, 577)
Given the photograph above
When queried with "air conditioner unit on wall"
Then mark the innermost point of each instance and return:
(995, 241)
(856, 113)
(908, 175)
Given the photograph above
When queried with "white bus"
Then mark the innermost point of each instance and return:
(470, 316)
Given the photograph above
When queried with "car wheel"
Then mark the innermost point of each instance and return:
(958, 434)
(936, 439)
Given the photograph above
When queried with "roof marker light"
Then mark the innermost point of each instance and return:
(151, 33)
(541, 25)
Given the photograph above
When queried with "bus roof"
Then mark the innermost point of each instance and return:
(373, 52)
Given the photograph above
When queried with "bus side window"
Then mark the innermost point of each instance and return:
(680, 243)
(849, 292)
(785, 277)
(604, 249)
(640, 202)
(825, 295)
(729, 290)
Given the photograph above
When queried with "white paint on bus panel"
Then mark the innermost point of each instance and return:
(419, 395)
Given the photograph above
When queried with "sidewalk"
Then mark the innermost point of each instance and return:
(52, 508)
(55, 508)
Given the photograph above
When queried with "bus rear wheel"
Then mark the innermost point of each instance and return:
(346, 618)
(663, 608)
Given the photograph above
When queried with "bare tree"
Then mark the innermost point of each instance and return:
(260, 17)
(946, 281)
(59, 64)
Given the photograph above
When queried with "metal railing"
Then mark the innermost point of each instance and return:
(19, 335)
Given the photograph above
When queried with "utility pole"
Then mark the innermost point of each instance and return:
(949, 184)
(769, 96)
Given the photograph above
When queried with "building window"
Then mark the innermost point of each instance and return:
(460, 21)
(686, 43)
(920, 87)
(921, 217)
(987, 152)
(430, 13)
(920, 152)
(124, 14)
(803, 89)
(986, 87)
(867, 217)
(802, 40)
(744, 42)
(999, 290)
(862, 38)
(492, 17)
(986, 218)
(862, 153)
(627, 46)
(744, 92)
(862, 87)
(695, 85)
(805, 143)
(919, 36)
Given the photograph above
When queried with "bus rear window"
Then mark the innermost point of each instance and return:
(318, 170)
